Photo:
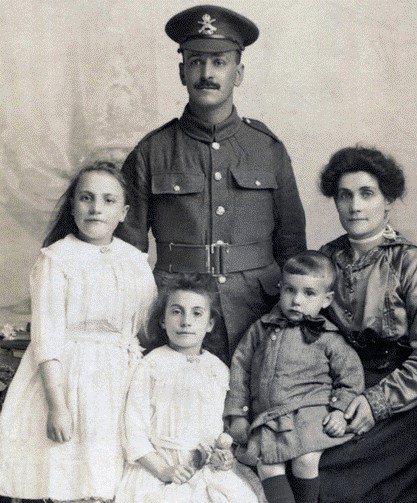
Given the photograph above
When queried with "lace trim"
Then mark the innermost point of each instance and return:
(380, 407)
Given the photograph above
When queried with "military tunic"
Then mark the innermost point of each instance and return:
(198, 184)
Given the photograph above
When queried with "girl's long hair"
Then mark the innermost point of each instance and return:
(64, 223)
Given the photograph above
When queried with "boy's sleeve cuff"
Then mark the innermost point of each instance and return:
(340, 402)
(236, 409)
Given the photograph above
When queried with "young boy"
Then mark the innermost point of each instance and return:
(292, 378)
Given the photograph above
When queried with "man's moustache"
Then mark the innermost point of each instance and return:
(206, 84)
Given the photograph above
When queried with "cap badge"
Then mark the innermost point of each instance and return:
(207, 28)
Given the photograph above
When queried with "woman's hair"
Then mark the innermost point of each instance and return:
(389, 174)
(312, 263)
(64, 223)
(202, 284)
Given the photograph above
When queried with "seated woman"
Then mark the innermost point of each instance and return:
(375, 307)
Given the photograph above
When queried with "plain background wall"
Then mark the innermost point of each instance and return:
(88, 79)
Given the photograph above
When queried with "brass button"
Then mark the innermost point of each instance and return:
(257, 183)
(217, 175)
(176, 188)
(245, 408)
(273, 337)
(215, 145)
(221, 279)
(220, 210)
(333, 399)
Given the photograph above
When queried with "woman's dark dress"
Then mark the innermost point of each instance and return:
(375, 307)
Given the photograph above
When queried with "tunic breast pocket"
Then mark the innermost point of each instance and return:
(177, 183)
(254, 180)
(253, 198)
(254, 189)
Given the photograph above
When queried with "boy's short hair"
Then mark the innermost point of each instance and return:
(312, 263)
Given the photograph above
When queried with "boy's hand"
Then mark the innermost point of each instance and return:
(59, 425)
(335, 424)
(239, 430)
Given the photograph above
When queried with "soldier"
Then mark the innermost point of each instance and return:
(217, 191)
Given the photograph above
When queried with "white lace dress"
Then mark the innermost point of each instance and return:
(173, 405)
(88, 303)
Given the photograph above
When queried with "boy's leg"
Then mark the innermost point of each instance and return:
(275, 483)
(305, 481)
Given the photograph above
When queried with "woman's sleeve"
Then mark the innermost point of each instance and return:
(398, 391)
(48, 293)
(137, 417)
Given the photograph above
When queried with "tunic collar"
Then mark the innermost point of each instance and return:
(206, 132)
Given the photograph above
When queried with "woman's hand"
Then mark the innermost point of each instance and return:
(59, 426)
(359, 416)
(334, 424)
(239, 430)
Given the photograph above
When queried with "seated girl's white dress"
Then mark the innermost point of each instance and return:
(87, 305)
(175, 403)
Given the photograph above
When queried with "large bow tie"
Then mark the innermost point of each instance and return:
(311, 327)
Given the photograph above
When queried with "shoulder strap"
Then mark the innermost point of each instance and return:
(261, 127)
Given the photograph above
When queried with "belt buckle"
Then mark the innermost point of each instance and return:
(216, 253)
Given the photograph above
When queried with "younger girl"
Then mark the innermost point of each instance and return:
(174, 409)
(59, 427)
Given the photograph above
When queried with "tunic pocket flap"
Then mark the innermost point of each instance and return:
(254, 178)
(177, 183)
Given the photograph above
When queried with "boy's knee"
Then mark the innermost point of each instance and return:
(307, 465)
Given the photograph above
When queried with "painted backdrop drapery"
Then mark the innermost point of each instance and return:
(70, 93)
(85, 79)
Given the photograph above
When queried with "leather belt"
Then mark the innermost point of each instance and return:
(216, 259)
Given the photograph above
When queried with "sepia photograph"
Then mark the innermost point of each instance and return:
(208, 251)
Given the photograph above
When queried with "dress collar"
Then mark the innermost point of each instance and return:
(344, 254)
(206, 132)
(92, 248)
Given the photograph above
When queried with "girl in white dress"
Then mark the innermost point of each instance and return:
(175, 446)
(60, 428)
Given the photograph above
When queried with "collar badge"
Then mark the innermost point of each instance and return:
(207, 28)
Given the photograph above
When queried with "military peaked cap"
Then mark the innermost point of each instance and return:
(210, 28)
